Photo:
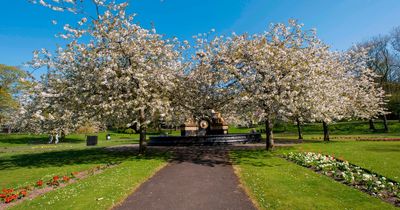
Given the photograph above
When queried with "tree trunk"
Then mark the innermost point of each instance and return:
(134, 126)
(268, 130)
(142, 131)
(299, 129)
(142, 140)
(385, 125)
(326, 131)
(158, 127)
(62, 135)
(371, 125)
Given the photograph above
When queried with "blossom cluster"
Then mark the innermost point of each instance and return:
(349, 174)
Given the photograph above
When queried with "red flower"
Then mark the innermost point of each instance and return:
(23, 193)
(55, 178)
(2, 195)
(11, 198)
(8, 191)
(39, 183)
(8, 199)
(65, 178)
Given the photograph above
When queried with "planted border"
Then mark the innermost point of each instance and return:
(349, 174)
(12, 196)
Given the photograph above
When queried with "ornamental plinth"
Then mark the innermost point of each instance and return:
(189, 128)
(214, 125)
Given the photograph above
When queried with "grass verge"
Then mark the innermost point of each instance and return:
(278, 184)
(26, 168)
(101, 191)
(379, 157)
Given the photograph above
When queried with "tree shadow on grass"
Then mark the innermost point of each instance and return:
(15, 139)
(257, 158)
(383, 148)
(73, 157)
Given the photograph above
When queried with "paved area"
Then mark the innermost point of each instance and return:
(198, 178)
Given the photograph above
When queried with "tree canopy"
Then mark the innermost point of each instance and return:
(114, 72)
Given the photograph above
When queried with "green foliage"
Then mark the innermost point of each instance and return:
(394, 104)
(393, 89)
(12, 82)
(129, 131)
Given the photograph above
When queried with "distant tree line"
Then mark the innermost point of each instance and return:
(384, 53)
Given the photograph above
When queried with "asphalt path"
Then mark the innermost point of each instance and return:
(197, 178)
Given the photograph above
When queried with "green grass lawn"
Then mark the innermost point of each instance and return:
(380, 157)
(101, 191)
(24, 159)
(275, 183)
(314, 131)
(73, 140)
(278, 184)
(26, 168)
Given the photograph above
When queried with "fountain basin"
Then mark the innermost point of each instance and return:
(204, 140)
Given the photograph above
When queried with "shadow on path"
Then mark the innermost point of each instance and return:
(196, 178)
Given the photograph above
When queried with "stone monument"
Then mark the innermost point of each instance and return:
(189, 128)
(213, 125)
(210, 129)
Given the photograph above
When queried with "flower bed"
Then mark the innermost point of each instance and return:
(10, 195)
(352, 175)
(358, 138)
(13, 196)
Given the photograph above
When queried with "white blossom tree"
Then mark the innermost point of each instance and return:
(112, 71)
(267, 67)
(115, 72)
(289, 74)
(202, 87)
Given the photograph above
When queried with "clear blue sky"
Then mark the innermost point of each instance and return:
(340, 23)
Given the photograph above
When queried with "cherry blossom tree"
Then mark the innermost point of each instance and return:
(267, 66)
(112, 70)
(202, 87)
(289, 74)
(115, 72)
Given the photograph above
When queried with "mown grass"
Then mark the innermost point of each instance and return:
(275, 183)
(101, 191)
(314, 131)
(26, 168)
(24, 159)
(8, 141)
(380, 157)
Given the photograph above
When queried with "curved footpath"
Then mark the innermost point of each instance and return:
(197, 178)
